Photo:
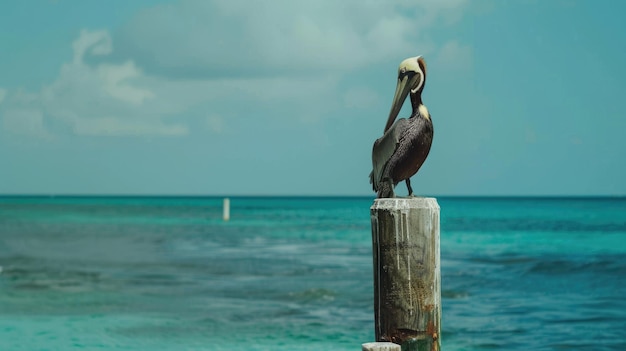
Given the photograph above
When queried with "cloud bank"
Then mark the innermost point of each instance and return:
(198, 39)
(176, 62)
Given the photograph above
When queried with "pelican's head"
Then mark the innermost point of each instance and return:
(411, 77)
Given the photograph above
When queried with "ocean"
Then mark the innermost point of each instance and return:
(167, 273)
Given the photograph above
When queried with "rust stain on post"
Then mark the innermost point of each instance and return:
(407, 288)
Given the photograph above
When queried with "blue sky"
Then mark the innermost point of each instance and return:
(287, 97)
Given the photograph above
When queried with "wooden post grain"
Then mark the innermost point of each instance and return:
(407, 278)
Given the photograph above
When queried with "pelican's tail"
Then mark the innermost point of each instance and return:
(374, 185)
(382, 188)
(385, 190)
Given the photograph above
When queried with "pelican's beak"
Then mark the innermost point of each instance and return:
(402, 90)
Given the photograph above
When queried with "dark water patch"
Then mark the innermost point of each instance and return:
(547, 264)
(604, 265)
(454, 294)
(161, 280)
(589, 320)
(521, 224)
(586, 345)
(259, 267)
(503, 259)
(49, 278)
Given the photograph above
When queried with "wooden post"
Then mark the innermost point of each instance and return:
(226, 209)
(407, 277)
(380, 346)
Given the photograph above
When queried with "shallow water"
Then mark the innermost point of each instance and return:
(296, 274)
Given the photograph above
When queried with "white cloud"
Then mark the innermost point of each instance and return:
(176, 62)
(92, 42)
(104, 99)
(115, 81)
(197, 38)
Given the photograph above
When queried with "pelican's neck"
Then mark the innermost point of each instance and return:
(418, 106)
(416, 101)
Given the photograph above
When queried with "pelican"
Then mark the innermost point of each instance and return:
(405, 144)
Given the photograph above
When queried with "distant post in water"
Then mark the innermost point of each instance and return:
(226, 209)
(407, 273)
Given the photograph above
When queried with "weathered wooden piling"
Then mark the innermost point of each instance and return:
(407, 277)
(380, 346)
(226, 209)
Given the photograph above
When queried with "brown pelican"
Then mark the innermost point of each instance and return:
(405, 144)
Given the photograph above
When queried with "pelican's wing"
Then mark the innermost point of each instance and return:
(384, 148)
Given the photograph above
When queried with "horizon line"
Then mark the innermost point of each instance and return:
(555, 196)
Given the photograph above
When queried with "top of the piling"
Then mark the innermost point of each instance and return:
(400, 203)
(380, 346)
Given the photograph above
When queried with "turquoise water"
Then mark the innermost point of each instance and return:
(296, 274)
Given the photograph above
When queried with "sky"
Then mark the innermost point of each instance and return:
(203, 97)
